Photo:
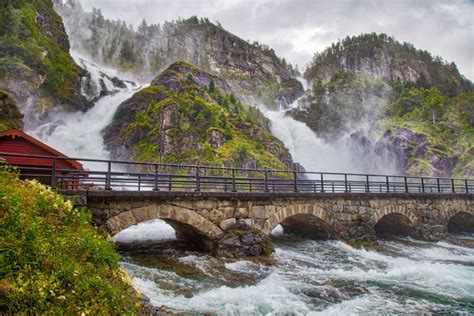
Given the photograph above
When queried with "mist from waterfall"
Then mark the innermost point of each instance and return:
(343, 154)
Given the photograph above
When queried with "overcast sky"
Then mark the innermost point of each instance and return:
(296, 29)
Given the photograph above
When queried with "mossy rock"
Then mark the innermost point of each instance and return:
(174, 118)
(10, 116)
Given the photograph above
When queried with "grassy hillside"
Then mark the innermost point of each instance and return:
(52, 261)
(443, 128)
(34, 54)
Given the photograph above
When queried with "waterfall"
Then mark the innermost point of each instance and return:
(79, 134)
(316, 154)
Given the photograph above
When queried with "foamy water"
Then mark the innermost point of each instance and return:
(312, 278)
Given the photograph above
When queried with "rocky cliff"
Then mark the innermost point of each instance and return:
(253, 70)
(35, 65)
(382, 57)
(188, 115)
(391, 95)
(10, 116)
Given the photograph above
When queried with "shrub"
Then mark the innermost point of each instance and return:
(51, 259)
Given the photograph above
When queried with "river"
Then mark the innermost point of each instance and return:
(307, 277)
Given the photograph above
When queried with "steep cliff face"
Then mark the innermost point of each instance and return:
(35, 64)
(187, 115)
(254, 71)
(391, 95)
(382, 57)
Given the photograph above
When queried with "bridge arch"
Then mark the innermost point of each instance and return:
(461, 220)
(187, 223)
(306, 220)
(394, 220)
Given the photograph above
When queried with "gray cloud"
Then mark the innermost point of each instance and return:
(296, 29)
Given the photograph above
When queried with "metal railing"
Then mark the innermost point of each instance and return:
(140, 176)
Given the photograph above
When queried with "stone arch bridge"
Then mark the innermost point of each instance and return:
(208, 216)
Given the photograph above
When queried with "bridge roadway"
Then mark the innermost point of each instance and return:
(206, 202)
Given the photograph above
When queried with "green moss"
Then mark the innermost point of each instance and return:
(268, 250)
(10, 116)
(28, 47)
(238, 232)
(361, 243)
(181, 124)
(52, 261)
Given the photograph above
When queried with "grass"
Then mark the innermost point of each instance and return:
(52, 261)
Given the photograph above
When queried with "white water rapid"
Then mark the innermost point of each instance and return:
(399, 276)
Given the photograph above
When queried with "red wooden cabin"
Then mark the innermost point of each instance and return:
(15, 141)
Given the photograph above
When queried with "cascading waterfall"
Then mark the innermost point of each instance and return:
(316, 154)
(78, 134)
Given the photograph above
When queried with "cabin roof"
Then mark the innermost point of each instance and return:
(14, 133)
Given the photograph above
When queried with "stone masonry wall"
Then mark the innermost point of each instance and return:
(349, 215)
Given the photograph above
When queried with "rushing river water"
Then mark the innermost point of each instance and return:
(309, 277)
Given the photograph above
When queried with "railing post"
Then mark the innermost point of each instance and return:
(295, 181)
(170, 185)
(367, 183)
(234, 187)
(53, 174)
(155, 186)
(452, 186)
(198, 180)
(266, 180)
(345, 183)
(406, 184)
(322, 183)
(467, 186)
(250, 185)
(422, 185)
(388, 184)
(108, 185)
(438, 184)
(139, 182)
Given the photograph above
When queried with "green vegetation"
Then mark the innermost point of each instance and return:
(10, 116)
(52, 261)
(393, 59)
(33, 43)
(199, 123)
(344, 100)
(422, 102)
(445, 123)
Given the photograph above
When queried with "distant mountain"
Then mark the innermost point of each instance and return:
(389, 94)
(187, 115)
(382, 57)
(253, 70)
